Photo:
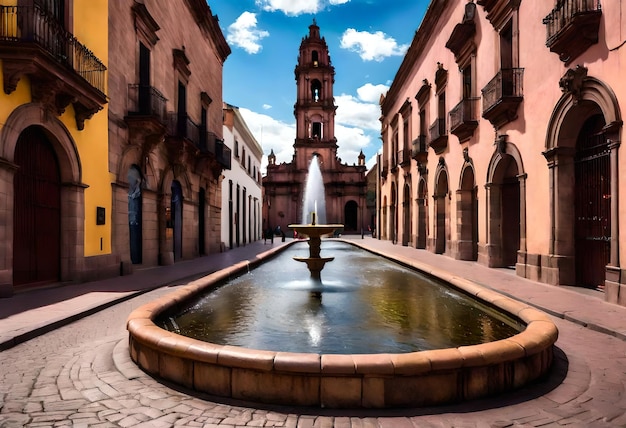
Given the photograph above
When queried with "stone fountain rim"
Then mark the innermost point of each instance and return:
(343, 380)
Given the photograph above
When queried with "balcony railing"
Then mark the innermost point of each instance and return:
(438, 135)
(502, 96)
(180, 125)
(464, 118)
(419, 150)
(146, 101)
(210, 144)
(572, 27)
(31, 24)
(404, 157)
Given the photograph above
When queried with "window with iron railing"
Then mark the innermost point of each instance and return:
(507, 83)
(572, 26)
(146, 101)
(32, 24)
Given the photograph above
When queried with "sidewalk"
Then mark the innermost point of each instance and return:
(31, 313)
(28, 314)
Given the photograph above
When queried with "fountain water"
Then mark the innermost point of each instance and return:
(314, 193)
(461, 372)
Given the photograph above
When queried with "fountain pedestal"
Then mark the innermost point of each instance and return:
(314, 262)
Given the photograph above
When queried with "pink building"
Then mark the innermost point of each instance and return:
(501, 140)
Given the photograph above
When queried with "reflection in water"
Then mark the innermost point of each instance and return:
(367, 305)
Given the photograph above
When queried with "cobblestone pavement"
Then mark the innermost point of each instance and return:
(80, 375)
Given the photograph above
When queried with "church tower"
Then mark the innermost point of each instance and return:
(314, 110)
(315, 105)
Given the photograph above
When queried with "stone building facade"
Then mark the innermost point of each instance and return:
(165, 130)
(501, 140)
(55, 193)
(241, 185)
(345, 185)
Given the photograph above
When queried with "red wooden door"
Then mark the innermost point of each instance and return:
(37, 211)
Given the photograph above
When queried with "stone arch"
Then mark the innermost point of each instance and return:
(578, 105)
(393, 213)
(406, 214)
(422, 213)
(441, 197)
(383, 221)
(506, 206)
(72, 190)
(467, 214)
(64, 146)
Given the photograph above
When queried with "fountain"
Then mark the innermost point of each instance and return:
(378, 379)
(314, 191)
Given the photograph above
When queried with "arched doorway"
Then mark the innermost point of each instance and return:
(177, 219)
(201, 221)
(592, 201)
(581, 148)
(406, 215)
(506, 207)
(422, 214)
(382, 233)
(467, 212)
(350, 215)
(393, 231)
(441, 212)
(135, 183)
(36, 210)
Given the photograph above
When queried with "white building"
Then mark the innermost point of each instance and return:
(241, 191)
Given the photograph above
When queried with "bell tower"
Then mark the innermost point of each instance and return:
(315, 107)
(345, 186)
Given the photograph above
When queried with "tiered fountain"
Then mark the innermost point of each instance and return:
(314, 191)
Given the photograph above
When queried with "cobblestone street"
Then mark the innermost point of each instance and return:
(81, 375)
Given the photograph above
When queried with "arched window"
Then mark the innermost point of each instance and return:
(315, 58)
(316, 90)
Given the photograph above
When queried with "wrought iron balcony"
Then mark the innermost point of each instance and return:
(464, 118)
(438, 135)
(419, 150)
(181, 127)
(146, 115)
(404, 157)
(502, 96)
(62, 71)
(572, 27)
(210, 145)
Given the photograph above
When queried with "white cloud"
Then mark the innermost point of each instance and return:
(351, 141)
(244, 33)
(272, 134)
(266, 106)
(352, 112)
(371, 93)
(371, 46)
(297, 7)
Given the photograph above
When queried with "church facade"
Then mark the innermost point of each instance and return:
(345, 185)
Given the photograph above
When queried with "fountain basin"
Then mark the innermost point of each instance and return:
(349, 381)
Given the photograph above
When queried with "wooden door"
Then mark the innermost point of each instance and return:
(36, 211)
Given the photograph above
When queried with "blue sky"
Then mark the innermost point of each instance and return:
(367, 40)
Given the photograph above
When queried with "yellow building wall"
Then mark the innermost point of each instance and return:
(91, 28)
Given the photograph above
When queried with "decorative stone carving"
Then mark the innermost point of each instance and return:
(572, 82)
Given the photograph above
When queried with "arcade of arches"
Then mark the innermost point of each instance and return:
(488, 222)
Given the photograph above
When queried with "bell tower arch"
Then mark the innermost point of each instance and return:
(315, 105)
